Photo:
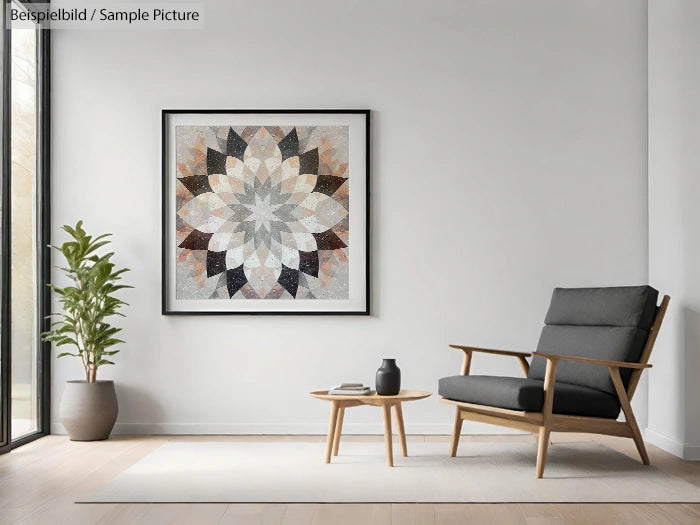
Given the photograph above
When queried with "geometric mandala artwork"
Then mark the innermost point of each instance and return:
(262, 212)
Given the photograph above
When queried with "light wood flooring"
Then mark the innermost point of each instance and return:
(40, 481)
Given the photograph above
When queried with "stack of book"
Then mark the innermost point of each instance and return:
(351, 389)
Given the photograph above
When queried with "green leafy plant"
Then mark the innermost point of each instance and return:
(88, 301)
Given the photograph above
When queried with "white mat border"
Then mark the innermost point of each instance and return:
(86, 501)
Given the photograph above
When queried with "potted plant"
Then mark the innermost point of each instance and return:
(88, 407)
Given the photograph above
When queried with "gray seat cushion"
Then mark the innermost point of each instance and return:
(528, 394)
(600, 323)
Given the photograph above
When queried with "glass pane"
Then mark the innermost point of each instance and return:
(23, 287)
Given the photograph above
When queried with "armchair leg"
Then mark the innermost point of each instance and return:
(456, 431)
(542, 445)
(547, 405)
(537, 438)
(629, 414)
(639, 442)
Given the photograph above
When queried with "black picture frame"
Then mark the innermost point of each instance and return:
(361, 120)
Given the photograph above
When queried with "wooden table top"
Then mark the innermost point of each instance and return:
(403, 395)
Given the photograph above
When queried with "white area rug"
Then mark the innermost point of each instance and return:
(295, 473)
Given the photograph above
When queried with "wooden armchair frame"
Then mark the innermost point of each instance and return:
(542, 423)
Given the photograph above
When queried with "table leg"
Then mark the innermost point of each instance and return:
(387, 435)
(338, 430)
(402, 431)
(331, 429)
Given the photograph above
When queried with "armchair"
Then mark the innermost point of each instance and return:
(594, 346)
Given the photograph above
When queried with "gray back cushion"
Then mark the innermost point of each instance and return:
(600, 323)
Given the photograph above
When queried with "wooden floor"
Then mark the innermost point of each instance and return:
(40, 481)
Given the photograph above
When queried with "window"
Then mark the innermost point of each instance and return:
(23, 241)
(24, 360)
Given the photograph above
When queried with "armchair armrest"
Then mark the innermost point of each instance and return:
(468, 356)
(602, 362)
(491, 351)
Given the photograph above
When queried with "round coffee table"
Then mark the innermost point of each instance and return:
(340, 402)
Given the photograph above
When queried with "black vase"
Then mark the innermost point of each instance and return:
(388, 381)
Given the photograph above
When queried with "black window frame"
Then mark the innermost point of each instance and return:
(43, 232)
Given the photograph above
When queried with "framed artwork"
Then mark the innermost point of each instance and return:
(265, 211)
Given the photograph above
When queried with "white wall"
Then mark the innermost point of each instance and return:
(509, 156)
(674, 222)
